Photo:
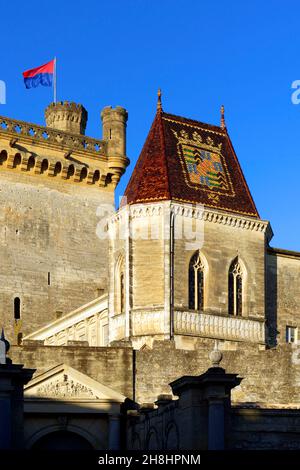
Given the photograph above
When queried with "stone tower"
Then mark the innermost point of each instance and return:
(187, 248)
(68, 117)
(55, 184)
(114, 133)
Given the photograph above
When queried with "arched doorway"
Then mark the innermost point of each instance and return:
(62, 440)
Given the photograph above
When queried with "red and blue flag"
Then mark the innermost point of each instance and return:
(42, 75)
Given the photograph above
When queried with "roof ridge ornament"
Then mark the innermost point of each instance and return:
(159, 104)
(223, 124)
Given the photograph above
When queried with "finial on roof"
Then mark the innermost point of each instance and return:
(159, 106)
(215, 356)
(223, 125)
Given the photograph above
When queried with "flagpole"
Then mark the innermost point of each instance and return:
(54, 82)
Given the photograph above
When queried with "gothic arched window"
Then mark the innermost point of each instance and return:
(235, 288)
(196, 282)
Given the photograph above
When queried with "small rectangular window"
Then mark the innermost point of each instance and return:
(291, 334)
(49, 279)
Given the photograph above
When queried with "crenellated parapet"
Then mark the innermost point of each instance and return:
(61, 149)
(66, 116)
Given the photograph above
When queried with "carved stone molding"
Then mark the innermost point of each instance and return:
(151, 210)
(65, 387)
(192, 211)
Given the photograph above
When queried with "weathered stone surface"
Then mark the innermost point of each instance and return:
(283, 293)
(46, 227)
(270, 376)
(110, 366)
(52, 182)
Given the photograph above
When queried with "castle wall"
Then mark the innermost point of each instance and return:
(283, 293)
(147, 263)
(109, 366)
(220, 245)
(270, 376)
(264, 429)
(157, 243)
(48, 225)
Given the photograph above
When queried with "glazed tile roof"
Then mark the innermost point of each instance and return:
(189, 161)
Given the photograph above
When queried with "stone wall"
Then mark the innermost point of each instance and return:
(221, 244)
(283, 293)
(156, 263)
(109, 366)
(266, 403)
(269, 376)
(264, 429)
(186, 424)
(48, 225)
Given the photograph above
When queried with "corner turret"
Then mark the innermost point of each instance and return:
(114, 133)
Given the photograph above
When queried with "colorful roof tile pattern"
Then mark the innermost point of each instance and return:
(189, 161)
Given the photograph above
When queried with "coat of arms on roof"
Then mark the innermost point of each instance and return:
(203, 164)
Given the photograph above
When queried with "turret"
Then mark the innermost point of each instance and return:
(66, 116)
(114, 133)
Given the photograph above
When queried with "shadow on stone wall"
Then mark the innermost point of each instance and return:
(271, 300)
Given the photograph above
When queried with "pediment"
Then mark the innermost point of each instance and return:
(65, 383)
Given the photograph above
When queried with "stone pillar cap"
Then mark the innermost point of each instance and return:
(215, 356)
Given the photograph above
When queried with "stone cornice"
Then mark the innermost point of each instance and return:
(284, 253)
(196, 212)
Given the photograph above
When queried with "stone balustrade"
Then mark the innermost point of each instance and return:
(219, 326)
(54, 137)
(117, 327)
(147, 322)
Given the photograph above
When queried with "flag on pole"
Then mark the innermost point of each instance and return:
(42, 75)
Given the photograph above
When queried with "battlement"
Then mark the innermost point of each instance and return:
(61, 148)
(67, 116)
(53, 181)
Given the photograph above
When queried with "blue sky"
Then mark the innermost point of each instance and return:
(202, 54)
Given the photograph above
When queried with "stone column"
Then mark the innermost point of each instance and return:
(114, 432)
(216, 423)
(205, 404)
(12, 380)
